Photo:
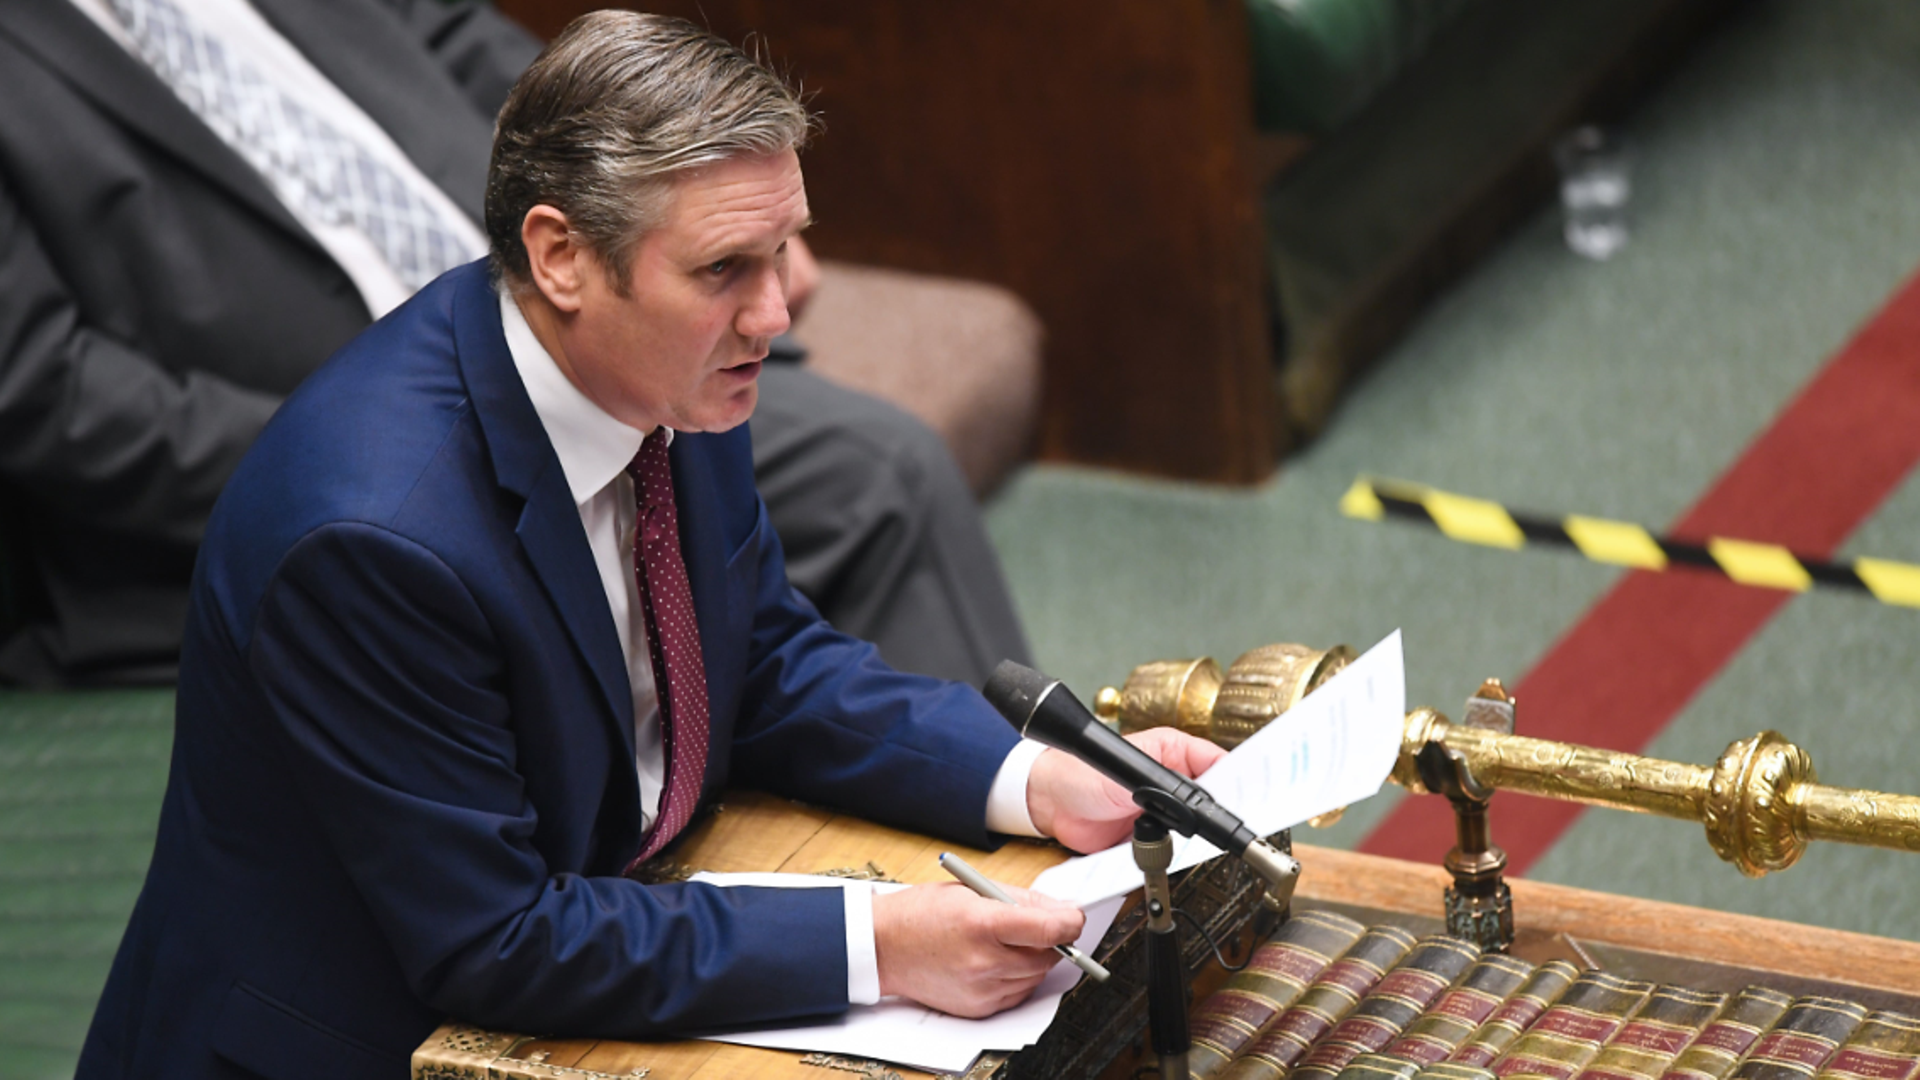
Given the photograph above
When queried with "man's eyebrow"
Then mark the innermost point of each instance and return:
(729, 244)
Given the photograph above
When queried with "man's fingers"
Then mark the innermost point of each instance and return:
(1014, 997)
(1178, 750)
(996, 999)
(1038, 927)
(1029, 898)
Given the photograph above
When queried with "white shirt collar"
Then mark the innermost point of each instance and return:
(594, 448)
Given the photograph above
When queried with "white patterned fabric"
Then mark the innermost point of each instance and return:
(307, 160)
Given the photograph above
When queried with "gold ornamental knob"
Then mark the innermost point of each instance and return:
(1194, 695)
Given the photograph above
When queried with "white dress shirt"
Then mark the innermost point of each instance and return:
(246, 33)
(594, 450)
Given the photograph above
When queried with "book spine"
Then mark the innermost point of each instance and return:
(1672, 1017)
(1886, 1047)
(1276, 975)
(1460, 1011)
(1398, 1000)
(1725, 1041)
(1454, 1070)
(1380, 1067)
(1515, 1015)
(1572, 1031)
(1332, 996)
(1806, 1036)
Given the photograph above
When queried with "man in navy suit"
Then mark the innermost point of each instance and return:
(492, 607)
(164, 285)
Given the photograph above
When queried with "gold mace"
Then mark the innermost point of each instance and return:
(1761, 803)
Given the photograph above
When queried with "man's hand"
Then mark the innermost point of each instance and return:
(1088, 812)
(963, 954)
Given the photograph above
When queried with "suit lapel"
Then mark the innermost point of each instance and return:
(96, 67)
(549, 530)
(525, 464)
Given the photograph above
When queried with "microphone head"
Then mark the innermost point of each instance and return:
(1016, 690)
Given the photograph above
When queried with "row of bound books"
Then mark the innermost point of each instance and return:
(1329, 999)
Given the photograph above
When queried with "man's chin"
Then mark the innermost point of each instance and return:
(732, 410)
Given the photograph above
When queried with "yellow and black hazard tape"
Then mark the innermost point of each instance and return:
(1621, 543)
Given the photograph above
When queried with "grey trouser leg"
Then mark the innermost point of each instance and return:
(880, 529)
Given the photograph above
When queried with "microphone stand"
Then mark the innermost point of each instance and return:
(1166, 968)
(1046, 711)
(1166, 965)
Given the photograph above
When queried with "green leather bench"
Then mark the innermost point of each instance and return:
(1318, 62)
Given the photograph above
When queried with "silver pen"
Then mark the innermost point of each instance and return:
(973, 879)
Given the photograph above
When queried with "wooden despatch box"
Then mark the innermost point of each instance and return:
(1100, 1036)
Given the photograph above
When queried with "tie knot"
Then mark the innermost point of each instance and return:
(652, 476)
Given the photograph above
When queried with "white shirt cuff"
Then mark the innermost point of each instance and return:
(1007, 798)
(863, 965)
(1006, 813)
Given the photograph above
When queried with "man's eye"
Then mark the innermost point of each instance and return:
(719, 267)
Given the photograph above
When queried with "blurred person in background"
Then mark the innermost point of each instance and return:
(200, 200)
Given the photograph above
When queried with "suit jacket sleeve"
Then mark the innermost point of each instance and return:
(823, 718)
(385, 688)
(99, 429)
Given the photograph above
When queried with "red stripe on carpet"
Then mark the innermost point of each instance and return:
(1645, 649)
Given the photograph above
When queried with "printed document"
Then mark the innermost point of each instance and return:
(1334, 748)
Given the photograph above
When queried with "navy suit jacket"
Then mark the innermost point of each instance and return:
(403, 781)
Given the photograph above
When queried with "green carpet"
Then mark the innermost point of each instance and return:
(1773, 213)
(81, 777)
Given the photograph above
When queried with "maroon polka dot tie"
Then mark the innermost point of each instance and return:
(673, 640)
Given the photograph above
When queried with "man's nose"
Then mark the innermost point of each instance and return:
(765, 312)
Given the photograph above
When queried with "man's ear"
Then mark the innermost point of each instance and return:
(556, 260)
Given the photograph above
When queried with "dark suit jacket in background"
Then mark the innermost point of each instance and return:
(157, 301)
(403, 780)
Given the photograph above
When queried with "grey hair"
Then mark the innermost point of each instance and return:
(611, 113)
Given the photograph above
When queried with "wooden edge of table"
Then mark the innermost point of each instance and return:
(1371, 881)
(751, 831)
(756, 831)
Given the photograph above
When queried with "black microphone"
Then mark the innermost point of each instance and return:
(1046, 711)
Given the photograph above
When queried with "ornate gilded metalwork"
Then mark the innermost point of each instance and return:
(1478, 903)
(869, 872)
(467, 1039)
(1746, 812)
(1180, 692)
(1258, 686)
(1196, 697)
(873, 1070)
(662, 872)
(984, 1068)
(1265, 682)
(1761, 803)
(464, 1052)
(668, 872)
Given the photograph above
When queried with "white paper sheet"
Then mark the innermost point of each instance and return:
(1334, 748)
(903, 1032)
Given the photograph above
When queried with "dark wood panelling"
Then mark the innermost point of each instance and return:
(1095, 158)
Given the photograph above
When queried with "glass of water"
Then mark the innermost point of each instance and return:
(1594, 188)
